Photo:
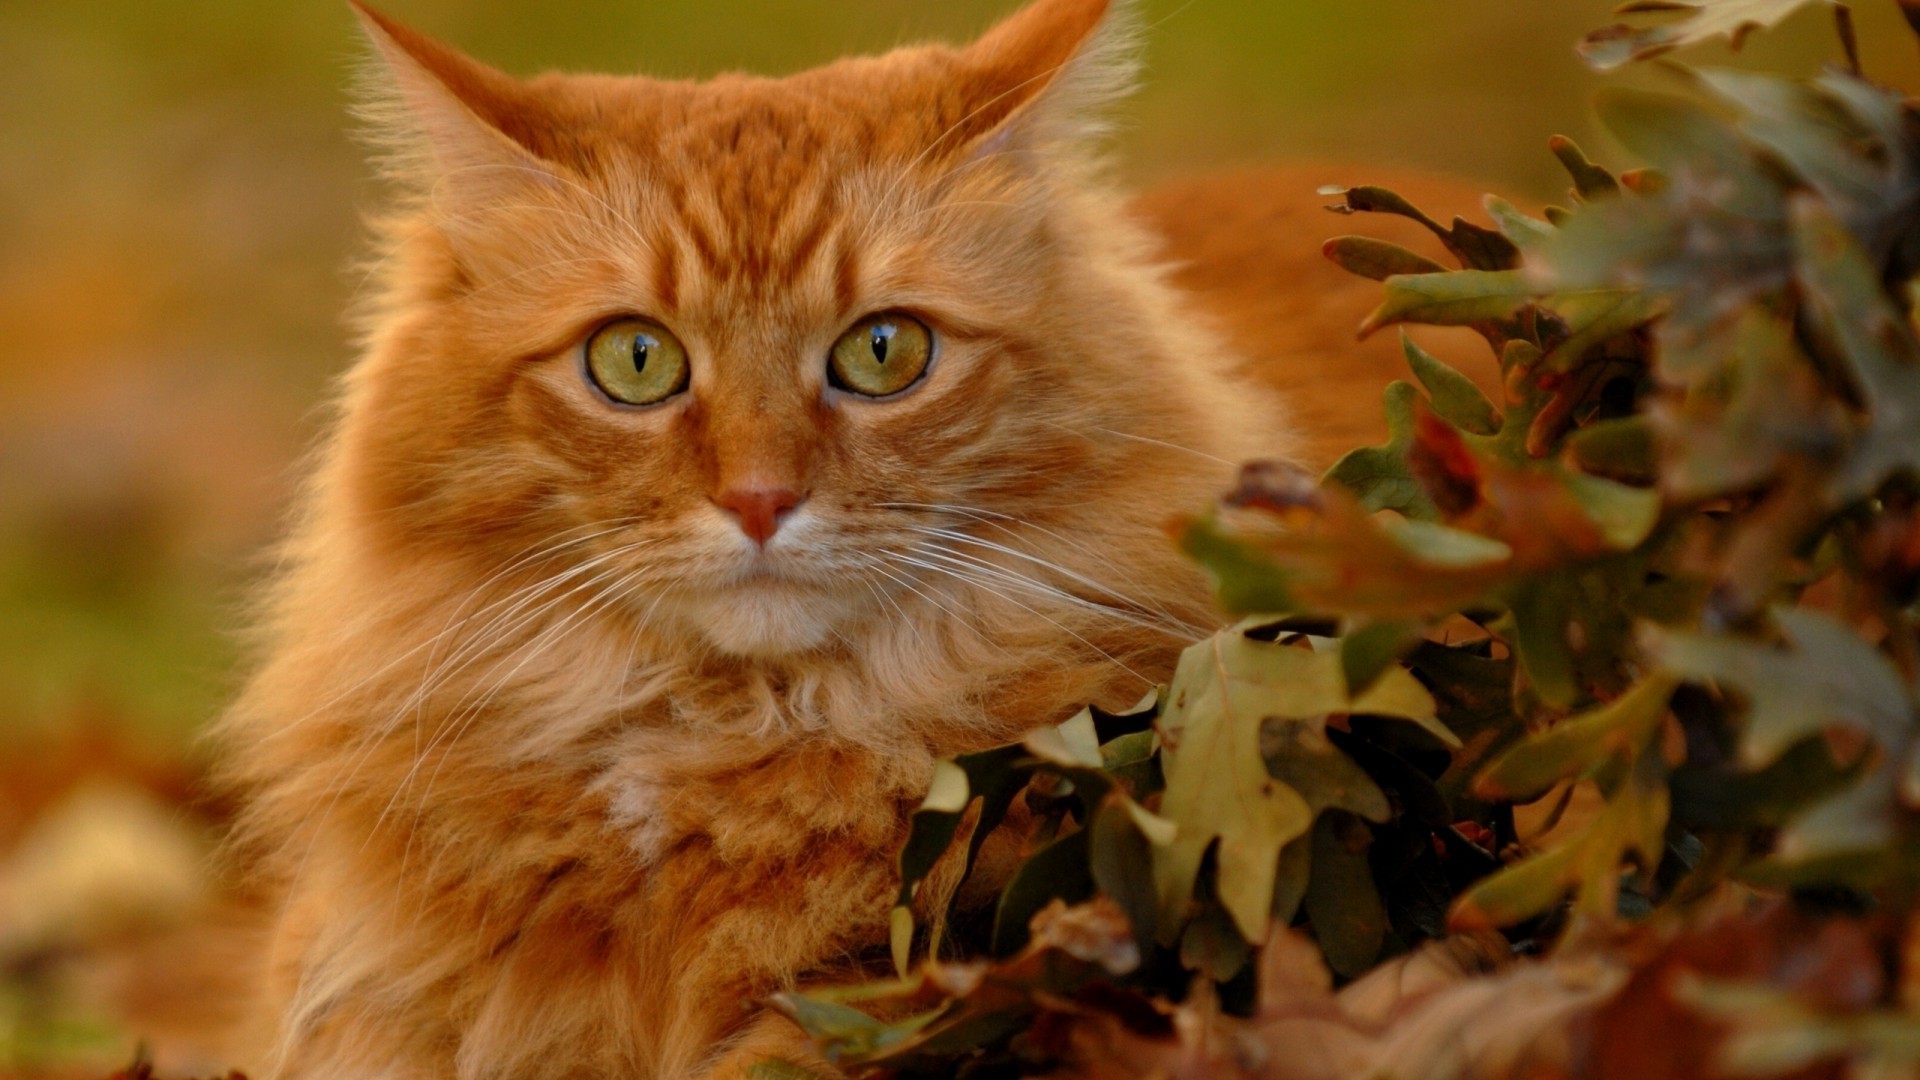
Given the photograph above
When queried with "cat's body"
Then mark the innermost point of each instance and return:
(583, 726)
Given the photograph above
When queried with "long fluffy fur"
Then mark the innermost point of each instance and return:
(549, 785)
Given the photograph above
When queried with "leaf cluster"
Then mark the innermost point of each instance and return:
(1637, 636)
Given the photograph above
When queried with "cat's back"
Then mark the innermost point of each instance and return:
(1245, 246)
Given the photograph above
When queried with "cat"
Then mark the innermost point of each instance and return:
(720, 455)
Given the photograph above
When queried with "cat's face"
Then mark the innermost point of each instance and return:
(765, 360)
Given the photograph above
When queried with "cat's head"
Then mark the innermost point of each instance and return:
(770, 362)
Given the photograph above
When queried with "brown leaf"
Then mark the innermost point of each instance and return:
(1444, 466)
(1644, 1033)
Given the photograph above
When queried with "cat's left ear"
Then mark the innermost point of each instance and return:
(451, 122)
(1048, 74)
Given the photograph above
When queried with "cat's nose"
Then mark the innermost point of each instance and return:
(758, 509)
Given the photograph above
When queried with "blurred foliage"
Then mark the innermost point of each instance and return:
(1668, 581)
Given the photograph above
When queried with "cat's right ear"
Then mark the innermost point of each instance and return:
(1046, 75)
(449, 121)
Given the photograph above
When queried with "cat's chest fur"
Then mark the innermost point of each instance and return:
(618, 917)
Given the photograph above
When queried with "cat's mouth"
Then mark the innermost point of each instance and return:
(769, 610)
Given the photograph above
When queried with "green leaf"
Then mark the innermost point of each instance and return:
(1849, 309)
(1457, 298)
(1369, 650)
(1525, 232)
(1861, 820)
(1455, 397)
(1631, 825)
(1134, 761)
(1074, 743)
(780, 1069)
(1590, 180)
(1378, 200)
(1540, 638)
(1595, 317)
(1120, 858)
(1290, 882)
(1481, 249)
(1212, 946)
(1442, 546)
(1518, 892)
(1245, 581)
(1625, 515)
(1809, 132)
(1119, 832)
(1685, 140)
(1219, 792)
(843, 1033)
(1379, 475)
(1876, 110)
(1377, 259)
(1475, 698)
(1299, 755)
(1621, 449)
(1342, 901)
(1829, 676)
(900, 938)
(1578, 745)
(1759, 407)
(1803, 775)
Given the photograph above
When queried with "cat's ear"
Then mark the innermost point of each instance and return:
(1048, 74)
(446, 118)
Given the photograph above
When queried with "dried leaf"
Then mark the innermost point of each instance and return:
(1704, 19)
(1475, 247)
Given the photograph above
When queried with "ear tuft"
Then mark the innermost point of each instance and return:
(1052, 70)
(439, 113)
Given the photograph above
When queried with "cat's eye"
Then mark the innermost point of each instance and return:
(883, 354)
(637, 362)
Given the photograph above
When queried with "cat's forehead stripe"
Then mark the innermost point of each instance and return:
(753, 176)
(766, 240)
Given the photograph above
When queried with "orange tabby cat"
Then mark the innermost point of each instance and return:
(721, 455)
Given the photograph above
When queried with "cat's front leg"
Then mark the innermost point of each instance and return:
(366, 1053)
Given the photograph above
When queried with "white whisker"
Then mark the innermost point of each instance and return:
(1130, 436)
(908, 560)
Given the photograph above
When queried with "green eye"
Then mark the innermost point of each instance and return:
(637, 362)
(881, 355)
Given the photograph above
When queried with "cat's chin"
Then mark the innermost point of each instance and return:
(766, 620)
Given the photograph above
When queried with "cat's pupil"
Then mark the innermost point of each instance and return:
(881, 334)
(641, 347)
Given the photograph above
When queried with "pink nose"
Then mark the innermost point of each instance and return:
(759, 509)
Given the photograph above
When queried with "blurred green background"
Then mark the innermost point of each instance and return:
(179, 204)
